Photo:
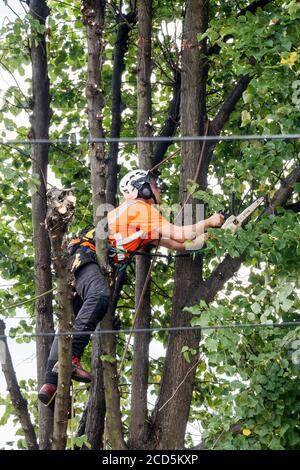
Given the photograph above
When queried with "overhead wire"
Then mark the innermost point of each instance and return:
(74, 140)
(174, 329)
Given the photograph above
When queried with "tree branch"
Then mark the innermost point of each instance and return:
(120, 49)
(18, 401)
(284, 192)
(171, 123)
(229, 266)
(219, 122)
(252, 8)
(229, 104)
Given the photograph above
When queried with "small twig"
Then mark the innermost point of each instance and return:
(181, 383)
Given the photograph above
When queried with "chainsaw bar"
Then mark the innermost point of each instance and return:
(234, 222)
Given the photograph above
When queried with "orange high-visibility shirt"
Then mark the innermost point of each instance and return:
(132, 225)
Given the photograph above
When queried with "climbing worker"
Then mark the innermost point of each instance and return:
(136, 222)
(133, 225)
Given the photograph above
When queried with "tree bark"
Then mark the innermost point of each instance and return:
(171, 123)
(218, 123)
(93, 422)
(93, 17)
(95, 418)
(121, 46)
(170, 417)
(61, 205)
(140, 364)
(120, 49)
(144, 111)
(40, 121)
(18, 401)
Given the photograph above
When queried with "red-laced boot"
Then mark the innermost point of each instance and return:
(46, 394)
(78, 373)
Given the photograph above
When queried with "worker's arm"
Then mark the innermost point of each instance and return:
(190, 232)
(171, 244)
(195, 244)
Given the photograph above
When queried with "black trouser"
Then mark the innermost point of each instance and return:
(90, 306)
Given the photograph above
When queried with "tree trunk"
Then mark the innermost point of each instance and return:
(95, 419)
(93, 17)
(172, 408)
(59, 215)
(18, 401)
(40, 121)
(120, 49)
(92, 424)
(140, 364)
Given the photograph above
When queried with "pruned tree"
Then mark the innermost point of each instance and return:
(188, 68)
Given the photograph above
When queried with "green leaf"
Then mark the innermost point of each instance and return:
(246, 118)
(108, 358)
(256, 308)
(297, 187)
(287, 304)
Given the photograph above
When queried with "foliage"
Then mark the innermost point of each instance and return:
(246, 375)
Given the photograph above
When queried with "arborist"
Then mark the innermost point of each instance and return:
(134, 224)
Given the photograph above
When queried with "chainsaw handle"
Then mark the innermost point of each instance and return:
(226, 213)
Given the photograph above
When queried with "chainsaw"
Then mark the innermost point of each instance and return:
(234, 222)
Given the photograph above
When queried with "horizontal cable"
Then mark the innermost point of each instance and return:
(146, 330)
(74, 140)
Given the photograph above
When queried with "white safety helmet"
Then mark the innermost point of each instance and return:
(127, 188)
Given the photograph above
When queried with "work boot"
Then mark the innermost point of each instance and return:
(46, 393)
(78, 373)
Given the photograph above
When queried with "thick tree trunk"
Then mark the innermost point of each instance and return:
(61, 205)
(18, 401)
(172, 409)
(93, 17)
(40, 121)
(140, 364)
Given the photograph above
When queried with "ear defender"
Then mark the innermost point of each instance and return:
(144, 188)
(145, 191)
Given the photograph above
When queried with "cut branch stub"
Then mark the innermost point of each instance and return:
(61, 207)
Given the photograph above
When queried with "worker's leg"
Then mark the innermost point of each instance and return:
(92, 288)
(51, 378)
